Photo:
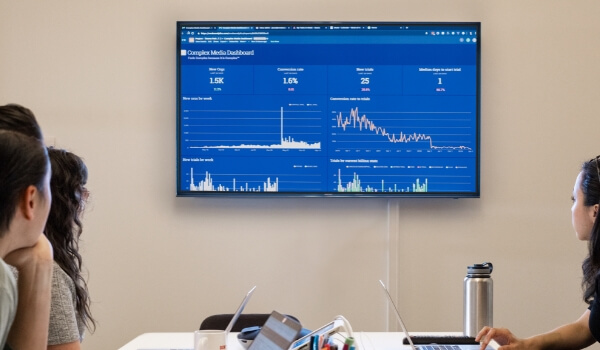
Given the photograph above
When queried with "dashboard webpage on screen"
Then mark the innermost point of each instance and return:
(338, 109)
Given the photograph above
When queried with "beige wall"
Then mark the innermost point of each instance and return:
(100, 76)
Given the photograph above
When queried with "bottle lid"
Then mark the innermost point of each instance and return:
(480, 269)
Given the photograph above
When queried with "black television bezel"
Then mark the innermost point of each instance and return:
(236, 194)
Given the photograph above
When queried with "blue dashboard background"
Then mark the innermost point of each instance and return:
(328, 118)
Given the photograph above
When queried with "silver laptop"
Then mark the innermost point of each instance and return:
(427, 346)
(233, 319)
(239, 310)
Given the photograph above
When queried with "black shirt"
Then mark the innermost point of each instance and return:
(594, 308)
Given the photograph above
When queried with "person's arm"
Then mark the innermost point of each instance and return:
(575, 335)
(76, 345)
(30, 327)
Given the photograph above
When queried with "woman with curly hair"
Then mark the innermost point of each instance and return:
(70, 308)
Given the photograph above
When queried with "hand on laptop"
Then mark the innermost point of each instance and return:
(498, 336)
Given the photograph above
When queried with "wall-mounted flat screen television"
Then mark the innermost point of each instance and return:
(328, 109)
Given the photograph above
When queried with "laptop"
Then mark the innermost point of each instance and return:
(278, 333)
(235, 317)
(239, 310)
(435, 345)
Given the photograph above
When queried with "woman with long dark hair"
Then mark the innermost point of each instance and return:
(24, 205)
(584, 331)
(70, 310)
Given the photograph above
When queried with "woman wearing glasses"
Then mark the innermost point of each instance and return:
(586, 330)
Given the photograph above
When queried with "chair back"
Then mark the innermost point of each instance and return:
(245, 320)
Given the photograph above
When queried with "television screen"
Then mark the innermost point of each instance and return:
(328, 109)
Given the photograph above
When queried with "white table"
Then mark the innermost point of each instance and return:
(178, 341)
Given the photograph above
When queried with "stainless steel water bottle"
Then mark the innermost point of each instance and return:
(478, 298)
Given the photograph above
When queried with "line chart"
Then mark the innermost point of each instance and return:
(361, 122)
(279, 142)
(393, 125)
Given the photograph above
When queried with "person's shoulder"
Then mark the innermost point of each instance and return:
(8, 299)
(60, 279)
(7, 276)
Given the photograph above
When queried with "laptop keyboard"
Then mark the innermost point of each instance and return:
(438, 347)
(440, 340)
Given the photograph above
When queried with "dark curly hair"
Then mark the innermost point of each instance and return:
(590, 186)
(63, 228)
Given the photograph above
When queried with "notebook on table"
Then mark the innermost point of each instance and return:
(448, 342)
